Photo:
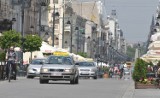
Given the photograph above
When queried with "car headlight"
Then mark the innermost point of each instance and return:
(29, 69)
(44, 70)
(68, 70)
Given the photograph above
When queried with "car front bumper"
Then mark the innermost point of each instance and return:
(57, 76)
(87, 74)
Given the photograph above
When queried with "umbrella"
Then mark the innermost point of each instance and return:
(155, 37)
(154, 45)
(46, 48)
(151, 57)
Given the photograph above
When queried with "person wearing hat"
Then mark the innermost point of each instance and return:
(11, 59)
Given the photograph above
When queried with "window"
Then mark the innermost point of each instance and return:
(86, 64)
(56, 26)
(59, 60)
(38, 61)
(57, 21)
(55, 1)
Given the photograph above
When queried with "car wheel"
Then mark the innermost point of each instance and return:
(77, 80)
(95, 77)
(41, 81)
(30, 77)
(72, 81)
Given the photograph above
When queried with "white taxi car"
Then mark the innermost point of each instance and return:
(59, 68)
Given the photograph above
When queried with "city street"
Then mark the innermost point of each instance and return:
(87, 88)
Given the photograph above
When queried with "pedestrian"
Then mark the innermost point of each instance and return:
(11, 58)
(121, 72)
(110, 72)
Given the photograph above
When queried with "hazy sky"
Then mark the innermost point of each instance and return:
(134, 16)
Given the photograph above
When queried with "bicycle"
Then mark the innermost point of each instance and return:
(10, 73)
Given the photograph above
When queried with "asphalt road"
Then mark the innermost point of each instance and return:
(87, 88)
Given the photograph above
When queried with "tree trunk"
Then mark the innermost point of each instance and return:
(31, 56)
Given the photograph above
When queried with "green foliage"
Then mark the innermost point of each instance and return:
(82, 54)
(10, 38)
(150, 63)
(130, 51)
(158, 64)
(140, 70)
(105, 69)
(32, 43)
(2, 55)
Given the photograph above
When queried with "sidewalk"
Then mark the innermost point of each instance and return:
(131, 92)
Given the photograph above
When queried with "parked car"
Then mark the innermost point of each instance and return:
(59, 68)
(33, 69)
(87, 69)
(126, 72)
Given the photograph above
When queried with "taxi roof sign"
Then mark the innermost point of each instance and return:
(60, 53)
(89, 59)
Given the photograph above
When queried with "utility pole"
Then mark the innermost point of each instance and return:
(22, 29)
(63, 26)
(77, 41)
(39, 33)
(53, 25)
(71, 33)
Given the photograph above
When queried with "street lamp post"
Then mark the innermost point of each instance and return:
(70, 23)
(77, 38)
(139, 50)
(22, 31)
(63, 27)
(53, 25)
(13, 20)
(54, 16)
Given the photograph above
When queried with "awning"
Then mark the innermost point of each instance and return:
(46, 48)
(154, 45)
(155, 37)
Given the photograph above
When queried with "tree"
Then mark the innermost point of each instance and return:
(82, 54)
(32, 43)
(2, 55)
(140, 70)
(10, 38)
(130, 51)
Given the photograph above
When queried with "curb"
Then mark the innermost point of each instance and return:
(129, 91)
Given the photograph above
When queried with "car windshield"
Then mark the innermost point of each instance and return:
(59, 60)
(85, 64)
(38, 61)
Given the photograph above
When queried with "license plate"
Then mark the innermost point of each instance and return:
(85, 73)
(56, 74)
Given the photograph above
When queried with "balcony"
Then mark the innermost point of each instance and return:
(67, 28)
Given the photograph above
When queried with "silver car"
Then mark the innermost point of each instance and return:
(33, 69)
(87, 69)
(126, 72)
(59, 68)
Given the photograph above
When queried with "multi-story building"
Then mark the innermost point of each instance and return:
(35, 16)
(116, 48)
(65, 25)
(91, 12)
(5, 15)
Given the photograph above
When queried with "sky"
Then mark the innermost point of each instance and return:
(134, 16)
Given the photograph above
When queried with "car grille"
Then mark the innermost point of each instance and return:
(56, 70)
(84, 69)
(56, 77)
